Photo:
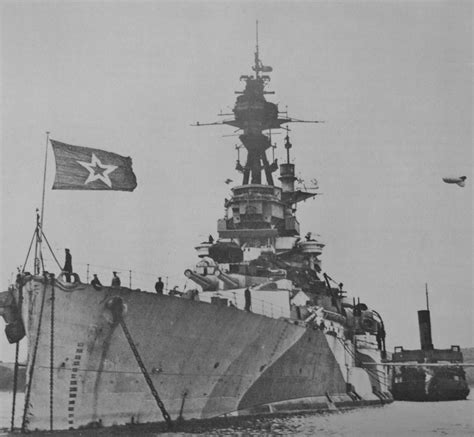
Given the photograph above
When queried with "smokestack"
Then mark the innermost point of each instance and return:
(424, 324)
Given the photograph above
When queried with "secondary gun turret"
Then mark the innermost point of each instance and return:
(229, 281)
(208, 283)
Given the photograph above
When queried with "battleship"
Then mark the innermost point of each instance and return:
(428, 374)
(263, 331)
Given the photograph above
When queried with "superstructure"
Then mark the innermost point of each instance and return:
(263, 330)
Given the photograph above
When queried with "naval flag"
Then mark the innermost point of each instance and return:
(83, 168)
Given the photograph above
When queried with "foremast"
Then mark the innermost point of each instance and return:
(259, 211)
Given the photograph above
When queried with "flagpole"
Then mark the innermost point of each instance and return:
(40, 230)
(44, 177)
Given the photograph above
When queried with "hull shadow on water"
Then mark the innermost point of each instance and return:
(399, 419)
(265, 424)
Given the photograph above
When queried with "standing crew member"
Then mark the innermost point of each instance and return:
(115, 280)
(381, 338)
(96, 283)
(248, 300)
(67, 269)
(159, 286)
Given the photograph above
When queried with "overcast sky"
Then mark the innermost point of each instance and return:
(393, 81)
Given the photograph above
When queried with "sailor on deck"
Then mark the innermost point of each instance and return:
(115, 280)
(96, 283)
(159, 286)
(248, 300)
(67, 269)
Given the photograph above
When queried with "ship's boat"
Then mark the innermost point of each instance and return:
(263, 330)
(428, 374)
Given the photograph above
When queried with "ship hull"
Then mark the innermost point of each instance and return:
(204, 360)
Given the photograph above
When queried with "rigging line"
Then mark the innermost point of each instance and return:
(379, 372)
(377, 378)
(360, 340)
(81, 263)
(33, 359)
(332, 280)
(374, 372)
(371, 371)
(41, 259)
(368, 370)
(117, 268)
(35, 263)
(29, 250)
(374, 375)
(51, 250)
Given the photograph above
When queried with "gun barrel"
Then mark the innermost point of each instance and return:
(229, 281)
(207, 283)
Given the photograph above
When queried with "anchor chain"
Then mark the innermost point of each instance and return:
(116, 306)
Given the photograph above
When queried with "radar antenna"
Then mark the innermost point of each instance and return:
(288, 144)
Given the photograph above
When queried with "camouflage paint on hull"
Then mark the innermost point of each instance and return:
(204, 360)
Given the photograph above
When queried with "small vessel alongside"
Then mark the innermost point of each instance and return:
(428, 374)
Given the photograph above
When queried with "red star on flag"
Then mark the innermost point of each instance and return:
(98, 171)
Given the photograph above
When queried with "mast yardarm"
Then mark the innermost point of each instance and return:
(254, 115)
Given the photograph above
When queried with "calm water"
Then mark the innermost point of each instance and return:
(399, 419)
